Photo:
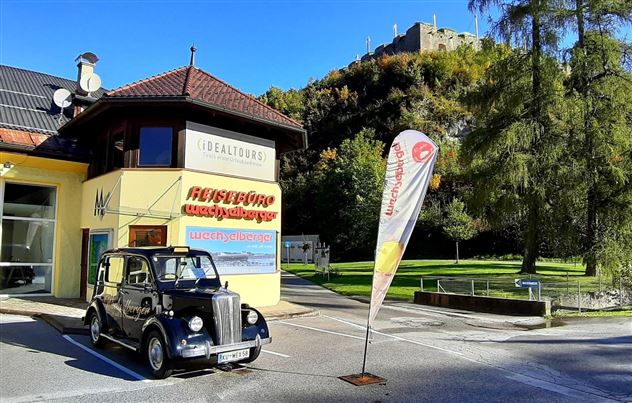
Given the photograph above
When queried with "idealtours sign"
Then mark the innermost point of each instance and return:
(214, 150)
(216, 203)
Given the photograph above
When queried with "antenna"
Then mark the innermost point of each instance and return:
(62, 98)
(476, 25)
(368, 45)
(394, 31)
(90, 83)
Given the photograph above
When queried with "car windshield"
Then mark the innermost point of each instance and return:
(183, 267)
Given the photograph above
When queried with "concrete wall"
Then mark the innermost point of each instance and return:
(484, 304)
(150, 196)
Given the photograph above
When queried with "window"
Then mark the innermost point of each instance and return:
(147, 235)
(28, 238)
(137, 270)
(115, 270)
(155, 146)
(117, 151)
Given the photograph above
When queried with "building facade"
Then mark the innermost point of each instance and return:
(180, 158)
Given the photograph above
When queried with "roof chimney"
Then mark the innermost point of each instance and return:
(86, 64)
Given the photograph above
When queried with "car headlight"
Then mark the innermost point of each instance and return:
(196, 323)
(252, 317)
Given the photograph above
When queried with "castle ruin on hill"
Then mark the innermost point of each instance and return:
(422, 37)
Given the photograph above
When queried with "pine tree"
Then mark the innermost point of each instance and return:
(534, 24)
(602, 87)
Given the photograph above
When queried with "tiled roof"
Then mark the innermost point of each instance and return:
(26, 100)
(29, 118)
(19, 140)
(201, 86)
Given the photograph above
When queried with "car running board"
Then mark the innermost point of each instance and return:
(132, 345)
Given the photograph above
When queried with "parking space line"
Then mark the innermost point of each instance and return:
(513, 375)
(103, 358)
(395, 337)
(322, 330)
(275, 353)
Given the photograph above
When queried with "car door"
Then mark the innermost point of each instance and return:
(137, 296)
(111, 296)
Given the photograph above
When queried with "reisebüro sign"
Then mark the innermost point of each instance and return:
(214, 150)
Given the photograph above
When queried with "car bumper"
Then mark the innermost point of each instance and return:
(208, 350)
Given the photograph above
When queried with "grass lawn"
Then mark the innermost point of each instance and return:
(355, 278)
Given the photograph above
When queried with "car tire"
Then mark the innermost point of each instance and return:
(95, 330)
(254, 354)
(156, 355)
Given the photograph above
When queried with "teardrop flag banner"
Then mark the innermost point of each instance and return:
(409, 168)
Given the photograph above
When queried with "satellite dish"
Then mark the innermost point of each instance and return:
(90, 83)
(62, 98)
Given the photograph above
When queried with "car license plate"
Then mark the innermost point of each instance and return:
(233, 356)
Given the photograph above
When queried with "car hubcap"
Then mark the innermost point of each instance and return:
(155, 354)
(95, 330)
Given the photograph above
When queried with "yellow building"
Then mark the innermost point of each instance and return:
(178, 158)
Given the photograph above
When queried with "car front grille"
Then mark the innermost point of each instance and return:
(227, 317)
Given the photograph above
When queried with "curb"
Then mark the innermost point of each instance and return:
(51, 320)
(283, 316)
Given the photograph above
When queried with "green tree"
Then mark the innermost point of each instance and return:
(521, 132)
(349, 194)
(601, 88)
(457, 224)
(288, 102)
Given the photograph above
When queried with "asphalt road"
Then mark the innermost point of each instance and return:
(425, 354)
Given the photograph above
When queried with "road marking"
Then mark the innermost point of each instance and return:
(322, 330)
(554, 387)
(275, 353)
(395, 337)
(116, 365)
(529, 380)
(59, 395)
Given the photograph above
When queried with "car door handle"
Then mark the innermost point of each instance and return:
(123, 292)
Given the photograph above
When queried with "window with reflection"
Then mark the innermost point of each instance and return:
(117, 150)
(28, 238)
(155, 146)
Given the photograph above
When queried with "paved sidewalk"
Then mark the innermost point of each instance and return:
(65, 314)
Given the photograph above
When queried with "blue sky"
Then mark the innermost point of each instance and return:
(250, 44)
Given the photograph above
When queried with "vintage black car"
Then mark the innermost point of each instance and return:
(168, 304)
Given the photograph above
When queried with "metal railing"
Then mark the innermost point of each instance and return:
(598, 293)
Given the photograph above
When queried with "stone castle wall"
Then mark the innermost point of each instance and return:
(423, 37)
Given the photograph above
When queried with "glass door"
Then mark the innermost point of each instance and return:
(28, 219)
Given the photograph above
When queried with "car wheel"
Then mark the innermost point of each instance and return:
(95, 330)
(156, 354)
(254, 354)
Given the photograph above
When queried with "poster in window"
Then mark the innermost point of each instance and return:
(236, 251)
(99, 243)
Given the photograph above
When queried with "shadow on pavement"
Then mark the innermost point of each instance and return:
(36, 337)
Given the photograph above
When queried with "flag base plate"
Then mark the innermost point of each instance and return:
(362, 379)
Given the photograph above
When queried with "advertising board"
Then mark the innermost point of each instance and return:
(236, 251)
(214, 150)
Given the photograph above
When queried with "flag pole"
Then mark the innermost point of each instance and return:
(366, 340)
(368, 318)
